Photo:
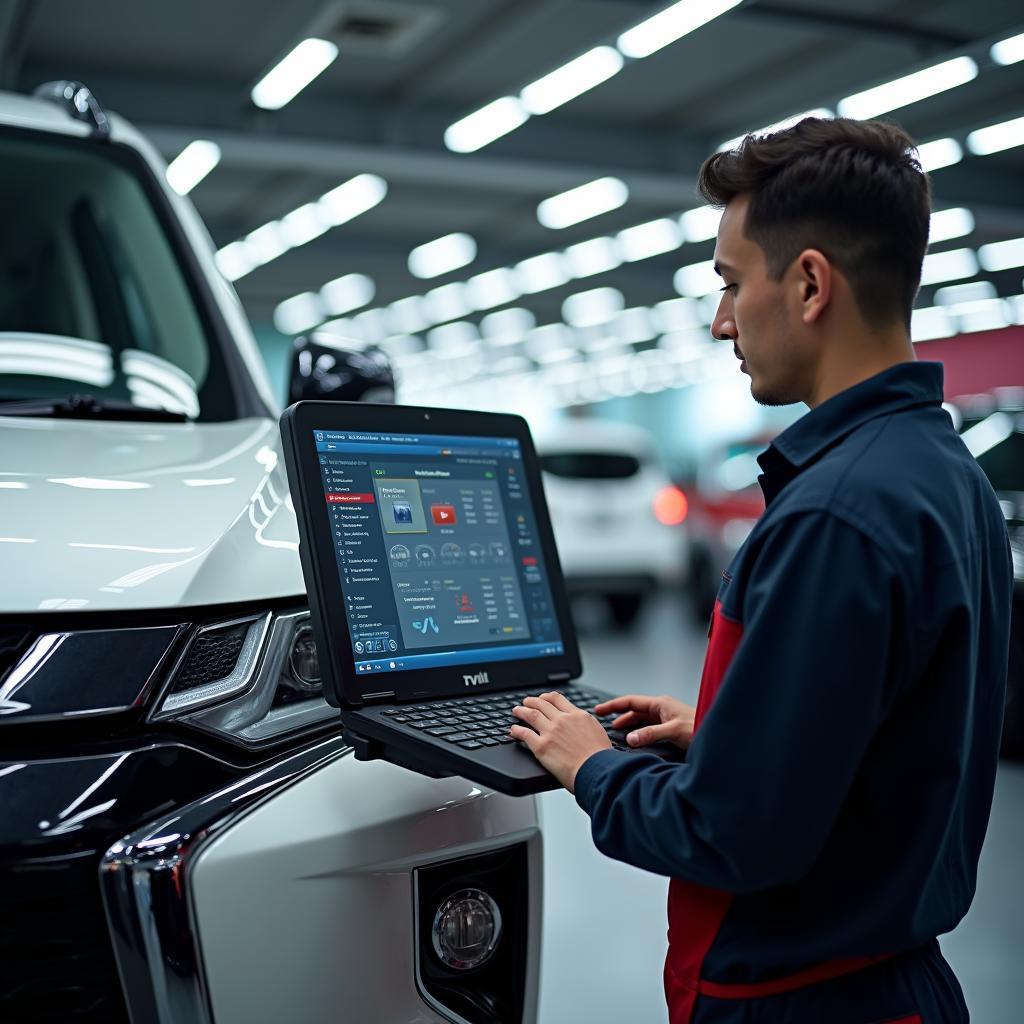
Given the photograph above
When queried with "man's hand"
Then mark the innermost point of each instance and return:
(659, 718)
(561, 735)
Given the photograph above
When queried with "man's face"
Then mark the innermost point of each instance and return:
(755, 316)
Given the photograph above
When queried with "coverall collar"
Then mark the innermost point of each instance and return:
(899, 387)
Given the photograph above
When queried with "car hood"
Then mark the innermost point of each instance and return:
(112, 515)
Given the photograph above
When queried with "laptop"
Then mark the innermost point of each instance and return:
(436, 597)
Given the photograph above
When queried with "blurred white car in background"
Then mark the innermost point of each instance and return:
(617, 517)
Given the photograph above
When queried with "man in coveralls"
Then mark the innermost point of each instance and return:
(827, 822)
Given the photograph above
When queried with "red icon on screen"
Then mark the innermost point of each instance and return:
(443, 515)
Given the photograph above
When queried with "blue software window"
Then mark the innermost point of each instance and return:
(437, 550)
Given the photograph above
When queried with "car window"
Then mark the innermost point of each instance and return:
(590, 465)
(92, 297)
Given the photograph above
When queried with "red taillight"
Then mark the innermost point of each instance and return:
(670, 506)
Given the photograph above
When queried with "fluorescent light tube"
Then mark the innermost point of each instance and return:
(1009, 51)
(299, 313)
(372, 324)
(958, 293)
(234, 261)
(778, 126)
(507, 326)
(595, 256)
(483, 126)
(449, 302)
(700, 224)
(443, 255)
(583, 202)
(988, 433)
(346, 293)
(697, 279)
(671, 24)
(997, 137)
(948, 266)
(947, 224)
(571, 80)
(538, 273)
(635, 325)
(672, 315)
(192, 164)
(283, 82)
(303, 225)
(353, 197)
(266, 243)
(941, 153)
(651, 239)
(590, 308)
(452, 338)
(981, 315)
(493, 288)
(901, 92)
(1002, 255)
(931, 322)
(408, 315)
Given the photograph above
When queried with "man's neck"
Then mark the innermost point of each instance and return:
(852, 363)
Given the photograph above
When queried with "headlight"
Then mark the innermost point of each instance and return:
(466, 930)
(269, 684)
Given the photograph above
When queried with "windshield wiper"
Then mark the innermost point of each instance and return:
(88, 407)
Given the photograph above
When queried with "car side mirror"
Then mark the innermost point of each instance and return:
(339, 369)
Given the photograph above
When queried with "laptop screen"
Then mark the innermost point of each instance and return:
(437, 550)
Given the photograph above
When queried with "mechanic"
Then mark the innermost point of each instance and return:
(827, 822)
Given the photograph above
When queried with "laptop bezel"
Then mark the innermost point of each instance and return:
(343, 686)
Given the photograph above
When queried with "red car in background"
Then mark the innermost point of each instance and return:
(725, 503)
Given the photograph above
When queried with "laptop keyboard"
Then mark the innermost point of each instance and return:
(477, 722)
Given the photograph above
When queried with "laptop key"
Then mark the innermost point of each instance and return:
(488, 741)
(470, 745)
(441, 730)
(457, 737)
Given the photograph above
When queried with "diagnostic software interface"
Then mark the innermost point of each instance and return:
(437, 550)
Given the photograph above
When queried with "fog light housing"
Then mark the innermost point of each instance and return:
(466, 929)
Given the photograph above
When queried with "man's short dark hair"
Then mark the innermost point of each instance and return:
(852, 189)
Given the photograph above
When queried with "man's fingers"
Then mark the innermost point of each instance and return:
(631, 702)
(542, 706)
(630, 720)
(652, 733)
(520, 732)
(560, 701)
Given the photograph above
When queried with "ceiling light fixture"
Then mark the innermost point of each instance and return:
(283, 82)
(493, 288)
(912, 88)
(671, 24)
(443, 255)
(538, 273)
(997, 137)
(642, 241)
(1002, 255)
(958, 293)
(697, 279)
(941, 153)
(590, 308)
(353, 197)
(192, 164)
(583, 202)
(947, 224)
(346, 293)
(596, 256)
(483, 126)
(949, 266)
(571, 80)
(1009, 51)
(701, 223)
(299, 313)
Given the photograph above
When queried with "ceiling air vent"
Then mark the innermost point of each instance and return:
(379, 28)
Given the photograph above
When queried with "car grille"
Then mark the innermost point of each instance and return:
(56, 961)
(212, 656)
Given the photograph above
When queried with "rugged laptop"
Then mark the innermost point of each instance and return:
(435, 592)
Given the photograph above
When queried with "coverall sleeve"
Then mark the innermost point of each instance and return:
(775, 756)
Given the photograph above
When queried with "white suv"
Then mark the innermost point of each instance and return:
(616, 515)
(185, 835)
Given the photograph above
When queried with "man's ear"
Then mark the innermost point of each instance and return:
(814, 280)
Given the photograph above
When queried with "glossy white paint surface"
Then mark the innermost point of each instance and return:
(305, 908)
(114, 515)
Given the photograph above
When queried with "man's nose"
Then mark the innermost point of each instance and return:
(723, 327)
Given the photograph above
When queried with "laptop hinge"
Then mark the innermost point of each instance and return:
(558, 677)
(384, 697)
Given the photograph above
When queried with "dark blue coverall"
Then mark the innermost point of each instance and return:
(826, 825)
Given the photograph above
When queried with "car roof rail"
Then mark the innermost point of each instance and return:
(79, 101)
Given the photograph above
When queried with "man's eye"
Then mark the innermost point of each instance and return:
(728, 287)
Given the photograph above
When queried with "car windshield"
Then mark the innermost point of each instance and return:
(93, 300)
(591, 465)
